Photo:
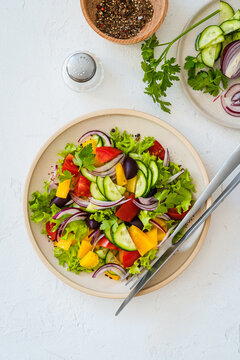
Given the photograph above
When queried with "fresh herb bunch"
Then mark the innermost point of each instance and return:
(207, 81)
(158, 81)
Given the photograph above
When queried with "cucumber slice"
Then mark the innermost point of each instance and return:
(102, 253)
(220, 39)
(226, 11)
(236, 15)
(142, 167)
(110, 189)
(121, 189)
(208, 35)
(108, 234)
(218, 51)
(236, 36)
(99, 181)
(208, 55)
(141, 185)
(111, 258)
(123, 239)
(155, 172)
(199, 57)
(96, 194)
(230, 26)
(87, 175)
(149, 181)
(197, 42)
(91, 208)
(98, 140)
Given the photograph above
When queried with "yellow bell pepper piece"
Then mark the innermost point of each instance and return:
(143, 242)
(161, 234)
(63, 189)
(131, 184)
(94, 146)
(112, 276)
(121, 178)
(85, 247)
(65, 244)
(153, 235)
(90, 260)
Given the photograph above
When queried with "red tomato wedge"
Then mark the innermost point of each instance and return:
(69, 165)
(174, 214)
(128, 211)
(50, 233)
(82, 187)
(106, 153)
(157, 150)
(128, 257)
(104, 242)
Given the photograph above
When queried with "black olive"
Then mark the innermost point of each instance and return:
(91, 223)
(136, 222)
(130, 167)
(59, 201)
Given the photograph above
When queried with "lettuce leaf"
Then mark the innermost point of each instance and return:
(107, 218)
(78, 228)
(143, 261)
(39, 205)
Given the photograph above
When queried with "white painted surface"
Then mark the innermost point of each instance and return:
(194, 317)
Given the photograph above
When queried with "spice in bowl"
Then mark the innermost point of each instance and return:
(123, 19)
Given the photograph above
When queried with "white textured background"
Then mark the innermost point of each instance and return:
(195, 317)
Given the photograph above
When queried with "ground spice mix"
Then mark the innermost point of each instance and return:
(123, 19)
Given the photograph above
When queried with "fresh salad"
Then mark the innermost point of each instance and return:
(111, 201)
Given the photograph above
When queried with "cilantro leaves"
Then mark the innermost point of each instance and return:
(66, 175)
(207, 81)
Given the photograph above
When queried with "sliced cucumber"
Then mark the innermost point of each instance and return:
(236, 15)
(226, 11)
(142, 167)
(199, 57)
(99, 181)
(108, 234)
(111, 258)
(96, 194)
(121, 189)
(236, 36)
(208, 56)
(218, 40)
(123, 239)
(208, 35)
(98, 140)
(141, 185)
(87, 175)
(230, 26)
(218, 51)
(110, 189)
(149, 181)
(155, 172)
(197, 42)
(102, 253)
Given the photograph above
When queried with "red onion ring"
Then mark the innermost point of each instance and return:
(232, 109)
(108, 204)
(96, 132)
(164, 217)
(229, 55)
(166, 159)
(97, 240)
(150, 207)
(79, 201)
(147, 201)
(52, 178)
(63, 225)
(108, 267)
(157, 225)
(166, 236)
(175, 176)
(68, 211)
(105, 169)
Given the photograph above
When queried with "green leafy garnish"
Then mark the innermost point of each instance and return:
(143, 261)
(211, 81)
(159, 80)
(85, 157)
(66, 175)
(107, 218)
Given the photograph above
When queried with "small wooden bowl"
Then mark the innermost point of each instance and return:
(160, 10)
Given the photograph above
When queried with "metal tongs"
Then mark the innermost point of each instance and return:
(168, 249)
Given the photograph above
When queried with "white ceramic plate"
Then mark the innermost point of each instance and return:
(186, 46)
(181, 151)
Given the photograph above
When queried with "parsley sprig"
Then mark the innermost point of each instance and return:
(158, 81)
(85, 158)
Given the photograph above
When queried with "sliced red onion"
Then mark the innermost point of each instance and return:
(94, 236)
(175, 176)
(147, 201)
(166, 236)
(108, 204)
(68, 211)
(226, 100)
(157, 225)
(69, 203)
(150, 207)
(230, 60)
(110, 266)
(164, 217)
(97, 240)
(217, 97)
(63, 225)
(52, 178)
(236, 96)
(166, 159)
(79, 201)
(236, 103)
(104, 169)
(96, 132)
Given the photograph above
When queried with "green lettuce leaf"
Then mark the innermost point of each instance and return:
(107, 218)
(143, 261)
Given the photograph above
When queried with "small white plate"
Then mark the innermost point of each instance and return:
(186, 47)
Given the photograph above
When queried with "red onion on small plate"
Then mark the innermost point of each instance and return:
(230, 100)
(230, 60)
